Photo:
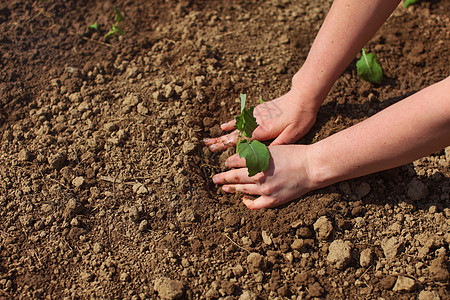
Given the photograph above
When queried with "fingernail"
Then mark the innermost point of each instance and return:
(226, 164)
(213, 147)
(206, 141)
(226, 189)
(215, 179)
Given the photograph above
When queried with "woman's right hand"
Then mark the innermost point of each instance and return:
(285, 119)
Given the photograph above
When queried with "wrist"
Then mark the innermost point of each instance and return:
(306, 87)
(319, 167)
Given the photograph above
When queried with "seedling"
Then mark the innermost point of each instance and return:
(255, 153)
(115, 30)
(94, 26)
(409, 2)
(368, 68)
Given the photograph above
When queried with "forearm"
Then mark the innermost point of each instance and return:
(347, 28)
(410, 129)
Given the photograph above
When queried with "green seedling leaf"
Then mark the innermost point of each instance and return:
(409, 2)
(368, 68)
(114, 31)
(94, 26)
(261, 101)
(246, 122)
(119, 16)
(256, 156)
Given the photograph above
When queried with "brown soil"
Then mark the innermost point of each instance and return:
(105, 187)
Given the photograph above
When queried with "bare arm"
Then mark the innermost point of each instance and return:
(347, 28)
(403, 132)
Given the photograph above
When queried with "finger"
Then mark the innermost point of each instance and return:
(235, 161)
(286, 137)
(221, 143)
(236, 176)
(261, 202)
(251, 189)
(228, 125)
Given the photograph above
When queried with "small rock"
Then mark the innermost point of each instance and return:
(78, 181)
(248, 295)
(86, 276)
(131, 100)
(404, 284)
(142, 109)
(429, 295)
(266, 238)
(339, 255)
(238, 271)
(315, 290)
(417, 190)
(139, 189)
(366, 257)
(143, 225)
(26, 220)
(168, 91)
(323, 228)
(111, 127)
(362, 190)
(299, 244)
(131, 72)
(25, 155)
(388, 282)
(97, 248)
(284, 39)
(305, 232)
(74, 222)
(212, 293)
(158, 96)
(58, 160)
(255, 261)
(188, 147)
(124, 277)
(345, 187)
(392, 247)
(134, 213)
(438, 270)
(168, 288)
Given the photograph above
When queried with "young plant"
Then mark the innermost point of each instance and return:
(368, 68)
(256, 154)
(115, 30)
(94, 26)
(409, 2)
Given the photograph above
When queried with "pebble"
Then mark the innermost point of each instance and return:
(188, 147)
(404, 284)
(315, 290)
(131, 100)
(323, 228)
(143, 225)
(142, 109)
(25, 155)
(266, 238)
(429, 295)
(139, 189)
(78, 181)
(97, 248)
(255, 261)
(168, 289)
(111, 127)
(366, 257)
(124, 277)
(362, 190)
(248, 295)
(417, 190)
(58, 160)
(392, 247)
(339, 254)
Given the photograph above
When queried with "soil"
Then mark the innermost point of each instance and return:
(105, 186)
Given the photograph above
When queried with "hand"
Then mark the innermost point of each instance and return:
(286, 179)
(285, 119)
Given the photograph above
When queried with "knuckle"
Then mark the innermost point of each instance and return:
(266, 189)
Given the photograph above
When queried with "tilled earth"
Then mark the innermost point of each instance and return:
(105, 186)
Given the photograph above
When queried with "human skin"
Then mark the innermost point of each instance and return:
(412, 128)
(346, 29)
(395, 136)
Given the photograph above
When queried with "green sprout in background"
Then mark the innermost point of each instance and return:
(115, 30)
(368, 68)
